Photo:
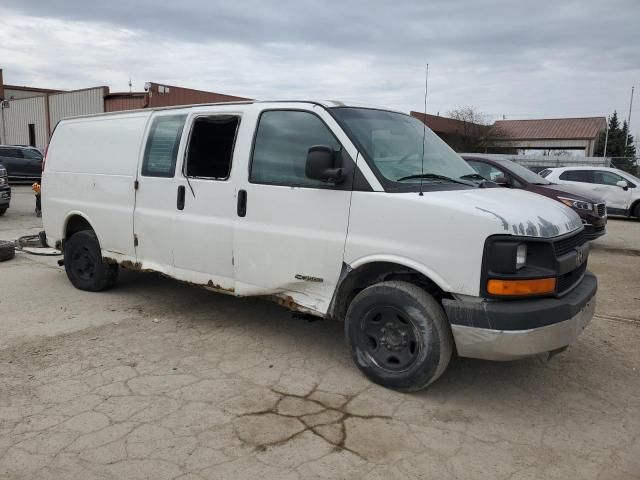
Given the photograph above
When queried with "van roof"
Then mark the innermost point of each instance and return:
(322, 103)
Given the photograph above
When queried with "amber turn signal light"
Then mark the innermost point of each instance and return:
(521, 287)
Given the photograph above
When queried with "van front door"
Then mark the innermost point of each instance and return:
(156, 196)
(290, 230)
(203, 244)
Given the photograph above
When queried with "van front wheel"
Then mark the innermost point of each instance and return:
(84, 264)
(399, 335)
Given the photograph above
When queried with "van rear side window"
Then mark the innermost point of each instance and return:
(211, 146)
(162, 146)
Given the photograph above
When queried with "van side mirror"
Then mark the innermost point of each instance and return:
(324, 164)
(623, 184)
(502, 181)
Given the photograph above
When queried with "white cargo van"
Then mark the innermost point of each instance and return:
(344, 212)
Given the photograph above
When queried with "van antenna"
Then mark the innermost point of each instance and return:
(424, 126)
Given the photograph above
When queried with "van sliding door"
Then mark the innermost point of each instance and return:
(203, 246)
(157, 193)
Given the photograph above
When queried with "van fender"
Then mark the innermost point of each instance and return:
(73, 213)
(108, 255)
(405, 262)
(349, 279)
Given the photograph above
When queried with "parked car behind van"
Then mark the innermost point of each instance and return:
(22, 163)
(620, 189)
(5, 190)
(357, 214)
(507, 173)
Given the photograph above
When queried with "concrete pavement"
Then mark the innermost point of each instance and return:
(155, 379)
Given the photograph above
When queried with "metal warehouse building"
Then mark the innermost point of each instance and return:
(28, 115)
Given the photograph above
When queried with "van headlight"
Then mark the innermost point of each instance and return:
(518, 267)
(577, 204)
(521, 256)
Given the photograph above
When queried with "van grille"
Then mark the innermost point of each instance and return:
(562, 247)
(601, 209)
(568, 280)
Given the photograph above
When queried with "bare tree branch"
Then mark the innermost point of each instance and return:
(476, 134)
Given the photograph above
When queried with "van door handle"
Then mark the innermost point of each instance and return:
(180, 201)
(242, 203)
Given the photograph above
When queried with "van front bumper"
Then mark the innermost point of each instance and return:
(509, 330)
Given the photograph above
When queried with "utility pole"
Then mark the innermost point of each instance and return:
(626, 138)
(606, 139)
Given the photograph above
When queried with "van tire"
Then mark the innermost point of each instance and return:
(2, 211)
(636, 210)
(399, 335)
(84, 264)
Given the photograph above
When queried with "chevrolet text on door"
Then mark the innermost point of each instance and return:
(350, 213)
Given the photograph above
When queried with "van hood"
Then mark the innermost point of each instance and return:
(518, 212)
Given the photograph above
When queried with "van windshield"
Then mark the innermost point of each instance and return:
(393, 143)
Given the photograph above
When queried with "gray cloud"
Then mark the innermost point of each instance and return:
(544, 58)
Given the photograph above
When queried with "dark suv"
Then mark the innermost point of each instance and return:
(507, 173)
(5, 190)
(22, 163)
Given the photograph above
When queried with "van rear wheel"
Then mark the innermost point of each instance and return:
(399, 335)
(84, 264)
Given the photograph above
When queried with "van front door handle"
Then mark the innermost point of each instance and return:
(242, 203)
(180, 201)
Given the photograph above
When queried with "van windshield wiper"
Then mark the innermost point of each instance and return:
(435, 176)
(474, 176)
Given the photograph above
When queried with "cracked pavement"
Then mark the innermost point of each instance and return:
(158, 380)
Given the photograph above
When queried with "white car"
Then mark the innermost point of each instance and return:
(357, 214)
(620, 190)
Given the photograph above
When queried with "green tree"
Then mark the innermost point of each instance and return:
(623, 158)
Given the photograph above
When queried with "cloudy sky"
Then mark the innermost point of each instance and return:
(522, 59)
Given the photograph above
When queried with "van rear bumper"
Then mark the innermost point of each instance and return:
(509, 330)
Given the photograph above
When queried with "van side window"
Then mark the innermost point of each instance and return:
(211, 146)
(162, 146)
(584, 176)
(282, 142)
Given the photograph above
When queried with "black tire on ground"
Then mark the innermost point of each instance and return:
(7, 250)
(399, 335)
(2, 210)
(84, 264)
(636, 211)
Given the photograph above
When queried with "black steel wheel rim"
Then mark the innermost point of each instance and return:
(83, 263)
(389, 338)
